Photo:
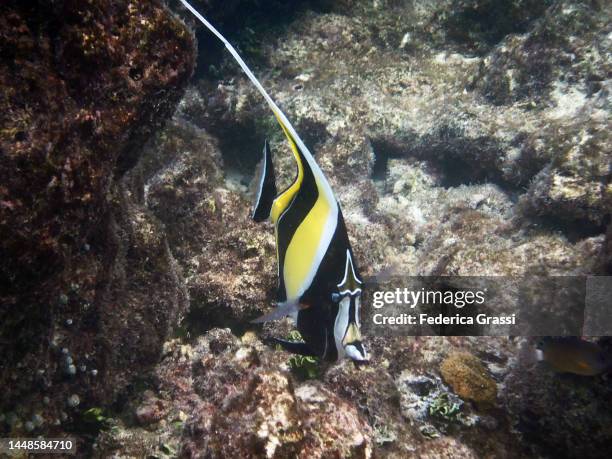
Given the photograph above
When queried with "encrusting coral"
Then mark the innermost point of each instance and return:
(469, 378)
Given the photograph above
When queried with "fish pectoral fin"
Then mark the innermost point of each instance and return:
(295, 347)
(583, 365)
(266, 193)
(281, 311)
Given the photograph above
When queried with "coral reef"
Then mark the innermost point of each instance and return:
(567, 46)
(227, 261)
(437, 174)
(462, 138)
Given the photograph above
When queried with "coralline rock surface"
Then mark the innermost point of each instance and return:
(567, 407)
(227, 261)
(233, 399)
(89, 289)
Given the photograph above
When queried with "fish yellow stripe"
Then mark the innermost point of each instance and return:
(352, 335)
(303, 253)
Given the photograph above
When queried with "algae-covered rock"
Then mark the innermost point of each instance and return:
(568, 44)
(78, 100)
(606, 255)
(89, 289)
(567, 407)
(237, 401)
(469, 378)
(477, 25)
(227, 260)
(576, 184)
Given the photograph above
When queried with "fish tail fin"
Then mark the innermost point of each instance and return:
(291, 133)
(281, 311)
(267, 188)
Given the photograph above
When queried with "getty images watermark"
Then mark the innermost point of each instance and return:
(488, 306)
(456, 298)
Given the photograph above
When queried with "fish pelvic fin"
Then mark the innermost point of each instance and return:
(281, 311)
(267, 187)
(294, 347)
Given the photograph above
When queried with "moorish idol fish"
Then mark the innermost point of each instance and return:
(318, 282)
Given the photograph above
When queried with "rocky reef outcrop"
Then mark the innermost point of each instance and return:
(89, 288)
(565, 406)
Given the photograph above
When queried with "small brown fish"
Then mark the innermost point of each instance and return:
(574, 355)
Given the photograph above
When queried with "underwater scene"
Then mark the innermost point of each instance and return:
(305, 229)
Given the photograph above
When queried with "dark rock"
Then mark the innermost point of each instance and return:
(477, 25)
(84, 267)
(558, 414)
(151, 410)
(227, 259)
(606, 255)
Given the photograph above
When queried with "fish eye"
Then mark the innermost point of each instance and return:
(336, 297)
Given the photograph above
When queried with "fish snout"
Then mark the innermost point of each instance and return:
(356, 352)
